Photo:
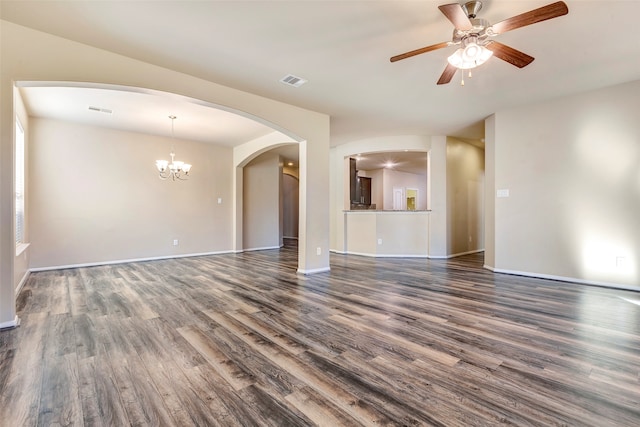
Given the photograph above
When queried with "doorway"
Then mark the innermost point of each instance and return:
(398, 199)
(412, 199)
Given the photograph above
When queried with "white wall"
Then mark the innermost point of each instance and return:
(290, 202)
(387, 233)
(456, 223)
(377, 187)
(393, 179)
(96, 197)
(242, 155)
(31, 55)
(437, 178)
(21, 261)
(489, 192)
(465, 197)
(261, 201)
(572, 168)
(340, 176)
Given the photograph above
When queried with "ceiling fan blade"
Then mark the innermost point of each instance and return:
(447, 74)
(456, 15)
(419, 51)
(509, 54)
(543, 13)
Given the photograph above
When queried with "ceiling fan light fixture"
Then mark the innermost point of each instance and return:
(470, 56)
(473, 34)
(471, 52)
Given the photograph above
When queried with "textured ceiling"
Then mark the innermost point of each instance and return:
(343, 50)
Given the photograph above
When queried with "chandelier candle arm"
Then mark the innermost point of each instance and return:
(174, 169)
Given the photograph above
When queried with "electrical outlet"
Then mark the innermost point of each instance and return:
(319, 251)
(175, 242)
(219, 200)
(379, 241)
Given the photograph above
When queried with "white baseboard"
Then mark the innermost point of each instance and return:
(563, 279)
(370, 255)
(125, 261)
(400, 256)
(10, 324)
(375, 255)
(313, 271)
(475, 251)
(359, 254)
(22, 282)
(265, 248)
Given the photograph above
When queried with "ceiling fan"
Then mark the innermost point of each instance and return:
(474, 36)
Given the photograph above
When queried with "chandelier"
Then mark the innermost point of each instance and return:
(175, 169)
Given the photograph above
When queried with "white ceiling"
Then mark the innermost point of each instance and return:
(342, 48)
(403, 161)
(143, 112)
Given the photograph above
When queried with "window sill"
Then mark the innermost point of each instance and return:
(21, 248)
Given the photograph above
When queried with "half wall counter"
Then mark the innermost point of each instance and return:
(387, 233)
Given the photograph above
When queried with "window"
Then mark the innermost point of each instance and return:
(19, 183)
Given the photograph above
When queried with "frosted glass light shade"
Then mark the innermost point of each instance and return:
(471, 56)
(162, 165)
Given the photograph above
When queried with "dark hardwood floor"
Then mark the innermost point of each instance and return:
(241, 340)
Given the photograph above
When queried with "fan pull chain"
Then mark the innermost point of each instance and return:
(462, 76)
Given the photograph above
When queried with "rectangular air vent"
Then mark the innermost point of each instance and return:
(292, 80)
(101, 110)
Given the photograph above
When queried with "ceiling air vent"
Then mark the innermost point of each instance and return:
(101, 110)
(292, 80)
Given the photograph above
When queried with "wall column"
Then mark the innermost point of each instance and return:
(489, 193)
(313, 236)
(7, 241)
(238, 206)
(438, 186)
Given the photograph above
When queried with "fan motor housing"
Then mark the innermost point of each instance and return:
(479, 30)
(471, 8)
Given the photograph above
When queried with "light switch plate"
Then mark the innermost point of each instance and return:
(504, 192)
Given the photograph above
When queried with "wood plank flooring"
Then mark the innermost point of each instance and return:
(242, 340)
